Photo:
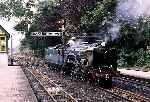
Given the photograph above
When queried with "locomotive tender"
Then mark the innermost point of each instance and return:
(94, 62)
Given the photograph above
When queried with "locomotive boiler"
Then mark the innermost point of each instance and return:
(91, 62)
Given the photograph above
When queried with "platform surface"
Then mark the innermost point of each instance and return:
(14, 86)
(139, 74)
(3, 59)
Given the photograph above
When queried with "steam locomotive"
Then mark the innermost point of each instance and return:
(93, 62)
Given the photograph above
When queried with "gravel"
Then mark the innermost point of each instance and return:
(82, 91)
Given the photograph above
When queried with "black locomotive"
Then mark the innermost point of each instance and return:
(97, 64)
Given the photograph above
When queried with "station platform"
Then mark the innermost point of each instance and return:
(14, 86)
(139, 74)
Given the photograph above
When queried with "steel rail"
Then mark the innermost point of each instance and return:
(42, 79)
(129, 95)
(41, 84)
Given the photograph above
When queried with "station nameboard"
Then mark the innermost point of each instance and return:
(46, 34)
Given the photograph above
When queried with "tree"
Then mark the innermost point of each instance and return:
(133, 41)
(45, 20)
(72, 11)
(94, 20)
(10, 8)
(135, 35)
(79, 15)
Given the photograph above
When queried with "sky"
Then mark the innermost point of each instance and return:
(16, 36)
(126, 9)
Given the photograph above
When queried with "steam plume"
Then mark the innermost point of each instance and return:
(132, 9)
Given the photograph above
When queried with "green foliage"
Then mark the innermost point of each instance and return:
(147, 60)
(44, 21)
(10, 8)
(129, 36)
(46, 18)
(73, 10)
(135, 38)
(127, 58)
(141, 59)
(92, 20)
(122, 60)
(22, 26)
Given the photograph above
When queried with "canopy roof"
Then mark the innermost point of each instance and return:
(3, 31)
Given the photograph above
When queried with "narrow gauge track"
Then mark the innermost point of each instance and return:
(44, 81)
(41, 94)
(133, 86)
(112, 92)
(134, 97)
(135, 91)
(142, 81)
(54, 91)
(50, 86)
(129, 95)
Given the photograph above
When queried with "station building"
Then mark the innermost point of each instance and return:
(4, 37)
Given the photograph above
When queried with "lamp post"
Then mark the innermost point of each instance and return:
(11, 50)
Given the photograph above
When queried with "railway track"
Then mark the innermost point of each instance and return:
(142, 81)
(131, 88)
(130, 96)
(56, 91)
(39, 91)
(59, 95)
(53, 90)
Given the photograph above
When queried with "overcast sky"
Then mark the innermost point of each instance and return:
(8, 25)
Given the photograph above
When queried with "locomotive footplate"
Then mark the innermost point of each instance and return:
(101, 76)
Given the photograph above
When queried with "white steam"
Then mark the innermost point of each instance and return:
(131, 9)
(128, 10)
(114, 30)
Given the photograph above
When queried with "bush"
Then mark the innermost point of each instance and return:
(122, 58)
(147, 60)
(139, 58)
(126, 58)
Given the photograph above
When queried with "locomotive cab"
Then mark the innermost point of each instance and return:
(102, 63)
